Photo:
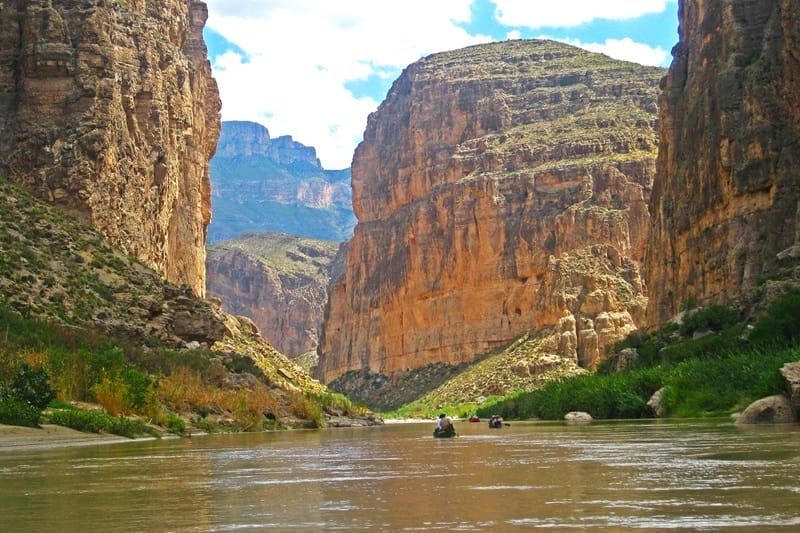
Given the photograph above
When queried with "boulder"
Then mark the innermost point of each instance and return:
(775, 409)
(578, 417)
(791, 373)
(654, 403)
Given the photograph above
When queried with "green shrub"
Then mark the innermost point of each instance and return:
(31, 385)
(98, 422)
(123, 392)
(175, 424)
(129, 427)
(728, 340)
(16, 412)
(81, 420)
(780, 325)
(714, 318)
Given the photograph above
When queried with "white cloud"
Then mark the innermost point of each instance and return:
(300, 54)
(568, 13)
(625, 49)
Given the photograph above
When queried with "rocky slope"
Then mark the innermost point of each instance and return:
(279, 281)
(499, 189)
(253, 175)
(726, 206)
(54, 267)
(109, 109)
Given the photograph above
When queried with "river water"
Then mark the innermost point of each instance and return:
(605, 476)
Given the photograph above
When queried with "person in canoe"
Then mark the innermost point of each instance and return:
(444, 427)
(496, 421)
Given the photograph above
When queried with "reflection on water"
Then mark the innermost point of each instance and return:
(610, 476)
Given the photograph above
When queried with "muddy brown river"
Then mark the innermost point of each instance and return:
(620, 476)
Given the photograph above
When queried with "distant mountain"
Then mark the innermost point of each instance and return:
(279, 281)
(260, 184)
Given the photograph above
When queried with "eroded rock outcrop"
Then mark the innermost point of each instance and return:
(109, 109)
(499, 189)
(726, 204)
(279, 281)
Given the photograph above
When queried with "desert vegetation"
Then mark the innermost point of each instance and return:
(710, 364)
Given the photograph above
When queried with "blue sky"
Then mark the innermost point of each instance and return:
(315, 69)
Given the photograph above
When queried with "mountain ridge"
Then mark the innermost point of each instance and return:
(251, 173)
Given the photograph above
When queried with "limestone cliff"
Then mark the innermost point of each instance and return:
(279, 281)
(726, 205)
(109, 109)
(499, 189)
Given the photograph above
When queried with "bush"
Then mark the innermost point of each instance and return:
(81, 420)
(98, 422)
(714, 318)
(31, 385)
(779, 325)
(175, 424)
(16, 412)
(123, 392)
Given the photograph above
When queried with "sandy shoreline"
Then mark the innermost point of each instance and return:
(15, 438)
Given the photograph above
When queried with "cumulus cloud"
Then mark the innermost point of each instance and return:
(298, 55)
(569, 13)
(625, 49)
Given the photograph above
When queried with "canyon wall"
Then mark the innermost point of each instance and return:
(109, 109)
(726, 204)
(499, 189)
(279, 281)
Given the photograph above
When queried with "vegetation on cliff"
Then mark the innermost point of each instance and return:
(107, 330)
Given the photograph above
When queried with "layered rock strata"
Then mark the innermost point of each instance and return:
(499, 189)
(279, 281)
(109, 109)
(726, 205)
(253, 173)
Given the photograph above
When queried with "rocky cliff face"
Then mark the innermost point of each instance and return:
(279, 281)
(726, 206)
(499, 189)
(253, 174)
(109, 109)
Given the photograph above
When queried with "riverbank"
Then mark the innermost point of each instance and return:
(50, 436)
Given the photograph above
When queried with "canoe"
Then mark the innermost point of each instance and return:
(445, 434)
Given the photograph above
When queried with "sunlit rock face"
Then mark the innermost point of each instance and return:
(109, 109)
(726, 205)
(499, 189)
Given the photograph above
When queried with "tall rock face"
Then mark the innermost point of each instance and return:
(726, 206)
(499, 189)
(109, 109)
(253, 174)
(279, 281)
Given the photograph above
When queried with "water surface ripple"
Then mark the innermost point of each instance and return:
(615, 476)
